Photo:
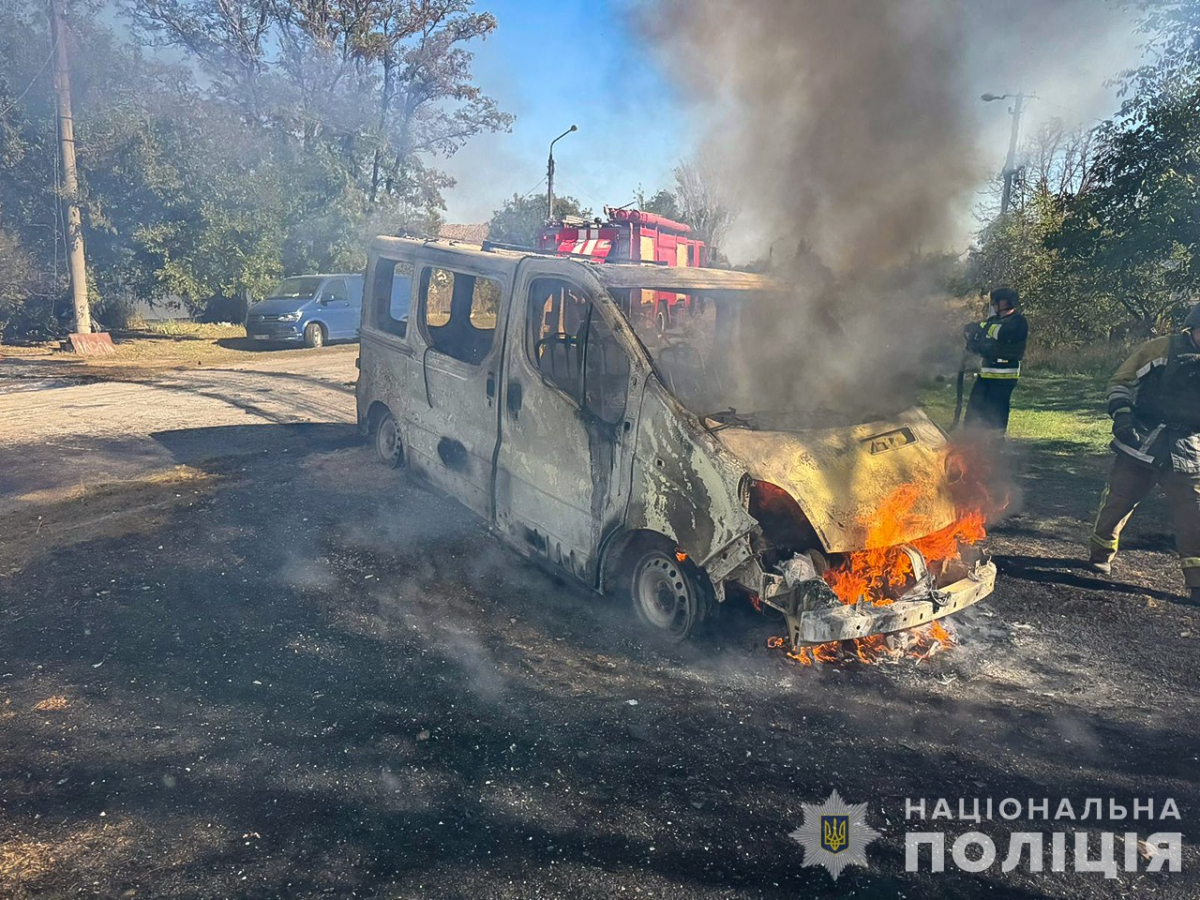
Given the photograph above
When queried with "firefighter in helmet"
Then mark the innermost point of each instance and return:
(1000, 342)
(1154, 401)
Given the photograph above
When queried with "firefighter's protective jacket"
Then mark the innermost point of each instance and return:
(1000, 342)
(1160, 384)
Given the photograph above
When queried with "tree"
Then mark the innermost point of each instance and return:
(1013, 249)
(663, 203)
(700, 204)
(17, 280)
(521, 218)
(1134, 235)
(695, 203)
(309, 68)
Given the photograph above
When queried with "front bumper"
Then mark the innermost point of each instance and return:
(844, 623)
(814, 615)
(274, 331)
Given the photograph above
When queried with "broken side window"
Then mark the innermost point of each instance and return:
(460, 312)
(555, 318)
(391, 295)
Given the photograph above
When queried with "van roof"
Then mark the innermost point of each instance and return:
(679, 278)
(613, 275)
(327, 275)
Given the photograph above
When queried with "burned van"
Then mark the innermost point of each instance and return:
(538, 392)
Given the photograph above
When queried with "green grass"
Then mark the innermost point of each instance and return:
(1062, 415)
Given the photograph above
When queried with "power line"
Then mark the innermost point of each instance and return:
(17, 102)
(534, 188)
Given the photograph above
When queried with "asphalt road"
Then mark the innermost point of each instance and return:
(284, 671)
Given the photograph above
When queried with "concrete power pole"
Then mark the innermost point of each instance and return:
(66, 136)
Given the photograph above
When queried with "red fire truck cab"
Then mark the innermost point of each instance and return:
(630, 236)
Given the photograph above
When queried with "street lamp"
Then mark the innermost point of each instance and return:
(550, 174)
(1010, 161)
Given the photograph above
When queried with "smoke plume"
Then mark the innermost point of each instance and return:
(846, 134)
(839, 123)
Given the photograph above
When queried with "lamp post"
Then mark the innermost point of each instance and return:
(550, 174)
(1010, 170)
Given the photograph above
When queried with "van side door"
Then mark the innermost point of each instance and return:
(568, 420)
(335, 310)
(355, 283)
(452, 422)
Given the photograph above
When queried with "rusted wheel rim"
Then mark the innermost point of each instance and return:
(663, 594)
(387, 441)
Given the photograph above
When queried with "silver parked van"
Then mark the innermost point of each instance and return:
(537, 391)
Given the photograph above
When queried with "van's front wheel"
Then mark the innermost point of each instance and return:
(388, 447)
(669, 594)
(314, 335)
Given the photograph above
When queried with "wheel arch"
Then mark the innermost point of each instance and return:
(618, 550)
(375, 413)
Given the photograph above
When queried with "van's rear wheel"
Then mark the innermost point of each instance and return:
(388, 447)
(314, 335)
(668, 594)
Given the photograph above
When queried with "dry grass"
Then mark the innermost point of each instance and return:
(86, 849)
(1096, 361)
(52, 704)
(201, 331)
(23, 860)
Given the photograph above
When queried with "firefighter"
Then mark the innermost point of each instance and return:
(999, 341)
(1154, 401)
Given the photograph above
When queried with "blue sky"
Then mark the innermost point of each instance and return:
(554, 64)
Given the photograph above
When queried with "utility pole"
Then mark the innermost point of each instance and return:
(550, 174)
(66, 137)
(1010, 162)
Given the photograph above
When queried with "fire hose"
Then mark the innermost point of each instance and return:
(958, 388)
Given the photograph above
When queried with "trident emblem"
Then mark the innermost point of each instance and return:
(835, 833)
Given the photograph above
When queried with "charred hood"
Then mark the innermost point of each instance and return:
(838, 476)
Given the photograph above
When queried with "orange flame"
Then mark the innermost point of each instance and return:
(869, 574)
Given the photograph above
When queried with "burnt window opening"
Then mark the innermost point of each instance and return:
(555, 317)
(391, 295)
(460, 312)
(574, 349)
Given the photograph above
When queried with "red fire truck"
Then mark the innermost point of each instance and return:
(630, 236)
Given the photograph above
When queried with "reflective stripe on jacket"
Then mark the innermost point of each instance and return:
(1160, 384)
(1000, 342)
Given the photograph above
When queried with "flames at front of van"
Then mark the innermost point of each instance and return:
(883, 599)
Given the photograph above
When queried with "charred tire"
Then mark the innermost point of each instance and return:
(670, 596)
(663, 317)
(389, 449)
(314, 335)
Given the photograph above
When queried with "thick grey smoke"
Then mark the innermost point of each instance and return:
(847, 135)
(839, 123)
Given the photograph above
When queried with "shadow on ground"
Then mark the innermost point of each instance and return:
(324, 679)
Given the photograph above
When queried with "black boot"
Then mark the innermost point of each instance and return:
(1193, 597)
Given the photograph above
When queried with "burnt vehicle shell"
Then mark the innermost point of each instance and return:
(515, 382)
